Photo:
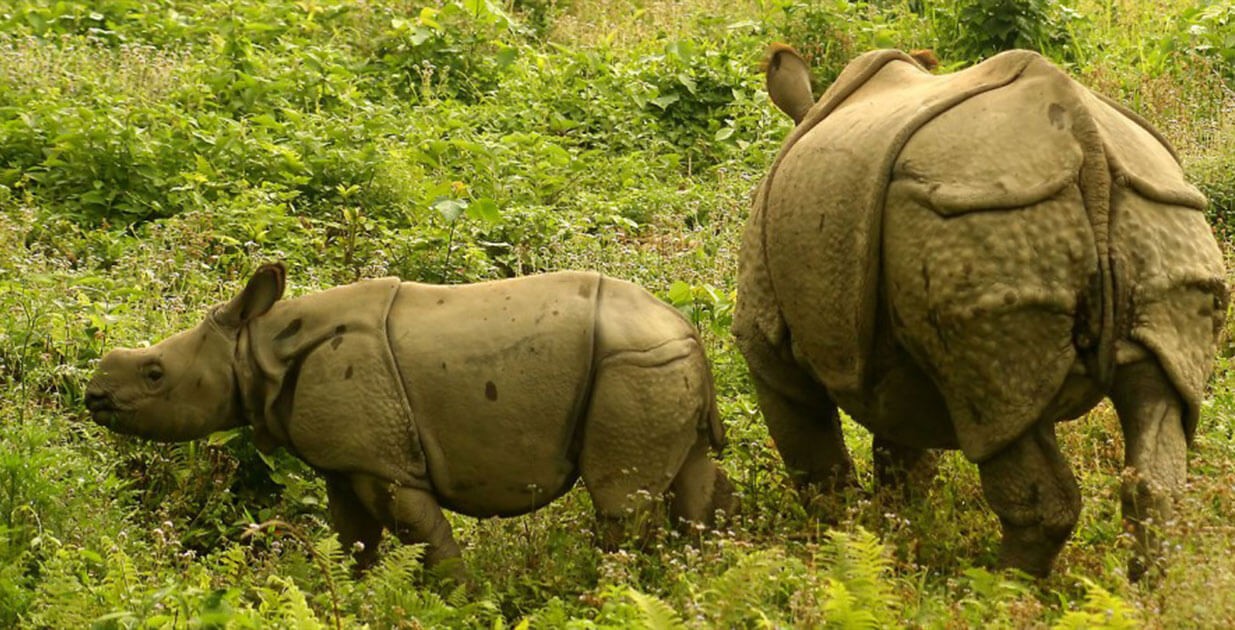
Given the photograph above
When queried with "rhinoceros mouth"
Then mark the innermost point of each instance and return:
(105, 417)
(103, 409)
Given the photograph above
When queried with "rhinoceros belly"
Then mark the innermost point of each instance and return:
(497, 374)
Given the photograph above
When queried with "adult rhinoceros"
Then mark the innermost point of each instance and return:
(487, 399)
(961, 261)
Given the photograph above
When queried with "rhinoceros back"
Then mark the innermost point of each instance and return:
(497, 375)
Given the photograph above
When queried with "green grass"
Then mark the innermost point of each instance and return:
(152, 153)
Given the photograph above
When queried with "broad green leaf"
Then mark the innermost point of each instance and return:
(428, 17)
(506, 56)
(688, 82)
(484, 209)
(420, 35)
(449, 207)
(681, 293)
(666, 100)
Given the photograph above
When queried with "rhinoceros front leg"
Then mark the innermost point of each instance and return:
(1155, 455)
(415, 517)
(1031, 488)
(353, 521)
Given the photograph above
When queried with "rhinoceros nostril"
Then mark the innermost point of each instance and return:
(98, 401)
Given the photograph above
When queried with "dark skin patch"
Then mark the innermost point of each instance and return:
(348, 374)
(290, 330)
(1058, 115)
(334, 343)
(490, 391)
(340, 329)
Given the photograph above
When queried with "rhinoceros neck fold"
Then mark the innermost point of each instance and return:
(249, 392)
(309, 345)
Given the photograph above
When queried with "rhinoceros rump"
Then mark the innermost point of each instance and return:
(487, 399)
(960, 261)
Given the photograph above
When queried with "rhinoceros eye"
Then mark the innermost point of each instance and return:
(153, 373)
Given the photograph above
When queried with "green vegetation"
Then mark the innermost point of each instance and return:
(152, 152)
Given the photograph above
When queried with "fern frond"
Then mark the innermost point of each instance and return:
(289, 605)
(842, 609)
(1102, 610)
(760, 583)
(655, 614)
(857, 566)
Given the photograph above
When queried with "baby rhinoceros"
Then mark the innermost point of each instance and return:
(486, 399)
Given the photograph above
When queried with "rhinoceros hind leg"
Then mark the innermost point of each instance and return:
(807, 433)
(641, 424)
(1155, 455)
(902, 467)
(700, 489)
(802, 418)
(415, 517)
(353, 521)
(1031, 488)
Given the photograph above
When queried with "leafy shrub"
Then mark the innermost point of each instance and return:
(457, 49)
(1208, 30)
(707, 307)
(820, 32)
(109, 21)
(1215, 176)
(694, 90)
(986, 27)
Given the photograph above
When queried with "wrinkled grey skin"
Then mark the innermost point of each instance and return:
(487, 399)
(963, 260)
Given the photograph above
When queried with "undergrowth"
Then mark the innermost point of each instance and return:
(152, 153)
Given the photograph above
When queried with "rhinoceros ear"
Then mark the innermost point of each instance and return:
(788, 80)
(926, 58)
(263, 290)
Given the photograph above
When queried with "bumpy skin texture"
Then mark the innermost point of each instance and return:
(960, 261)
(488, 399)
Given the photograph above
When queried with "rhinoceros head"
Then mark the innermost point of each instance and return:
(183, 387)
